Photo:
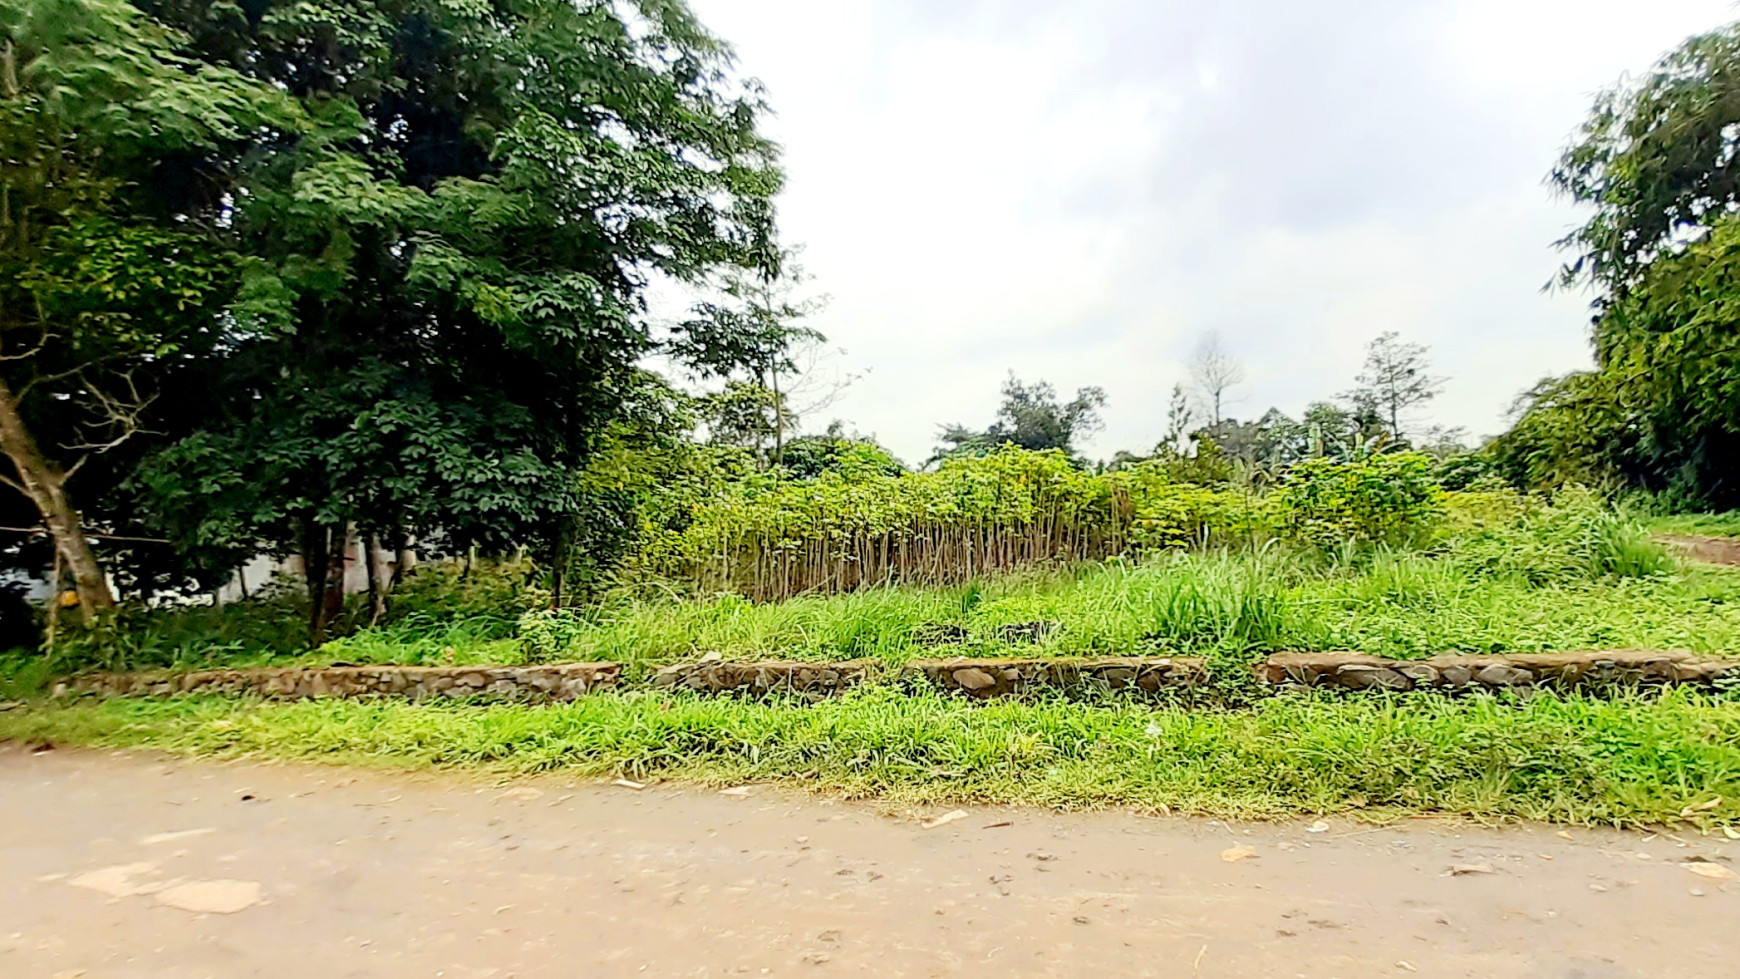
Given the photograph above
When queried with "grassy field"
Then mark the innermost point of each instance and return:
(1404, 606)
(1550, 578)
(1566, 578)
(1556, 758)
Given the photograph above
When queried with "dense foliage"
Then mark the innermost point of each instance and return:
(1656, 164)
(1386, 499)
(410, 239)
(116, 143)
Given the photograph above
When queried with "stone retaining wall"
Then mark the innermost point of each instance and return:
(1562, 670)
(1002, 678)
(531, 683)
(811, 679)
(978, 678)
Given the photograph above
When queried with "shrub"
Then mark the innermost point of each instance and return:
(1382, 499)
(771, 539)
(548, 634)
(500, 588)
(1575, 536)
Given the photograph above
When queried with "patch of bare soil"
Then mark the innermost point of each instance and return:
(117, 865)
(1711, 550)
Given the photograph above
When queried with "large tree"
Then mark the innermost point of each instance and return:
(1657, 165)
(1395, 380)
(1656, 162)
(115, 147)
(1031, 417)
(441, 301)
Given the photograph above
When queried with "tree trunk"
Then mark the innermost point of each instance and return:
(377, 591)
(406, 561)
(45, 484)
(341, 536)
(559, 563)
(778, 422)
(53, 606)
(316, 556)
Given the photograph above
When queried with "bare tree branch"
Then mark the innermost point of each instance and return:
(42, 336)
(1214, 372)
(115, 413)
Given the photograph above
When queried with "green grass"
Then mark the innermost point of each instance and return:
(1582, 760)
(1231, 606)
(1503, 574)
(1403, 605)
(1725, 524)
(422, 639)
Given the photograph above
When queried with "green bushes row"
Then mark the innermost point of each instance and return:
(1015, 508)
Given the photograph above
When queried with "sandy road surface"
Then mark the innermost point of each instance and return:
(106, 863)
(1710, 550)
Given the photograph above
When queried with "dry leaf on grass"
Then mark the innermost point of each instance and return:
(1704, 806)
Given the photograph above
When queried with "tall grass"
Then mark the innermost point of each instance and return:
(1507, 574)
(1222, 605)
(1561, 758)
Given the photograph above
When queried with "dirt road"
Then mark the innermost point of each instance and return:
(1710, 550)
(116, 866)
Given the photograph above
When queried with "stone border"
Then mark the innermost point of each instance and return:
(977, 678)
(1353, 671)
(527, 683)
(719, 676)
(985, 679)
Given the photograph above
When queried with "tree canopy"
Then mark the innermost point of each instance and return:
(1656, 161)
(114, 143)
(1030, 417)
(431, 228)
(1656, 165)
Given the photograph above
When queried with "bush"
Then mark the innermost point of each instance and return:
(501, 588)
(548, 634)
(186, 635)
(1383, 499)
(772, 538)
(1576, 536)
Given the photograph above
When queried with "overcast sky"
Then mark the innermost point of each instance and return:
(1080, 191)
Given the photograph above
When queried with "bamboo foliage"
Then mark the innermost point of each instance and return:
(1012, 509)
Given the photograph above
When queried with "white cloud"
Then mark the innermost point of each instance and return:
(1077, 192)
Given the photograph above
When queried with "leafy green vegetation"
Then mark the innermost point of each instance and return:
(1561, 758)
(1392, 604)
(1659, 246)
(1488, 572)
(1010, 508)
